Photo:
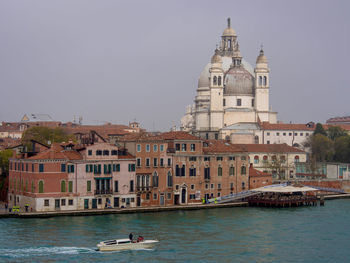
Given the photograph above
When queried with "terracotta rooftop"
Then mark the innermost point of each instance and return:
(57, 152)
(287, 126)
(222, 147)
(270, 148)
(146, 136)
(256, 173)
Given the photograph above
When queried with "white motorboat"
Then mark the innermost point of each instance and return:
(125, 244)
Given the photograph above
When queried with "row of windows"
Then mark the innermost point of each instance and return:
(103, 152)
(143, 181)
(262, 81)
(181, 171)
(155, 162)
(274, 159)
(217, 80)
(63, 202)
(148, 147)
(183, 147)
(289, 134)
(107, 168)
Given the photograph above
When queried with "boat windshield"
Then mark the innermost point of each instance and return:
(124, 242)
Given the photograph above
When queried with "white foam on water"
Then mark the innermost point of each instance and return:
(43, 251)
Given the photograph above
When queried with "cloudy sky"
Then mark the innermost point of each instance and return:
(117, 61)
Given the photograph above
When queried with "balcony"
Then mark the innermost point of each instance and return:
(103, 192)
(207, 179)
(170, 150)
(143, 188)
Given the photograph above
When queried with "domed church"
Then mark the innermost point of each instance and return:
(232, 97)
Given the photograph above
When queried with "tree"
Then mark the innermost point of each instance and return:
(335, 132)
(45, 135)
(342, 149)
(278, 166)
(322, 147)
(4, 161)
(320, 130)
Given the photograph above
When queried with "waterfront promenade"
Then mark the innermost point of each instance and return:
(108, 211)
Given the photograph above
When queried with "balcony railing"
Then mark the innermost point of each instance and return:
(170, 150)
(103, 192)
(143, 188)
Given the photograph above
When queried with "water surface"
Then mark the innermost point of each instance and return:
(306, 234)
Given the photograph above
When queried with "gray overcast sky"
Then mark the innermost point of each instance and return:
(119, 60)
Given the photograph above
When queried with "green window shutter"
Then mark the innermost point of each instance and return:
(129, 169)
(87, 168)
(104, 169)
(72, 168)
(118, 167)
(41, 187)
(63, 186)
(99, 168)
(133, 167)
(95, 169)
(88, 186)
(114, 168)
(109, 168)
(70, 186)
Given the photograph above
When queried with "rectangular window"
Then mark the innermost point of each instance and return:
(301, 134)
(169, 161)
(131, 167)
(219, 186)
(161, 148)
(295, 134)
(138, 147)
(88, 186)
(243, 158)
(70, 168)
(147, 162)
(193, 147)
(177, 147)
(161, 164)
(224, 102)
(192, 186)
(155, 147)
(290, 134)
(216, 136)
(192, 196)
(41, 167)
(183, 147)
(267, 142)
(239, 102)
(63, 167)
(70, 186)
(46, 202)
(268, 134)
(219, 171)
(138, 162)
(89, 152)
(131, 185)
(155, 196)
(284, 134)
(116, 189)
(207, 173)
(147, 148)
(192, 158)
(206, 158)
(231, 186)
(155, 162)
(192, 171)
(33, 168)
(232, 158)
(118, 167)
(277, 134)
(114, 152)
(169, 196)
(219, 158)
(70, 202)
(252, 102)
(63, 202)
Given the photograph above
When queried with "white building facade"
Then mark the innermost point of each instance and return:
(230, 92)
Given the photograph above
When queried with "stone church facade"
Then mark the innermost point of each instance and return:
(232, 98)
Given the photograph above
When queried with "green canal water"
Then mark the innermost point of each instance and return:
(304, 234)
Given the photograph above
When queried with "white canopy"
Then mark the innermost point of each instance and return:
(283, 189)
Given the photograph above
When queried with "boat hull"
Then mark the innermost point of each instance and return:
(147, 244)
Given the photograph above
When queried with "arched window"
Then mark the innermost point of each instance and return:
(265, 159)
(155, 179)
(273, 158)
(219, 171)
(283, 159)
(170, 179)
(147, 180)
(256, 159)
(243, 170)
(265, 80)
(219, 80)
(26, 187)
(232, 171)
(63, 186)
(260, 81)
(32, 186)
(41, 186)
(215, 80)
(296, 158)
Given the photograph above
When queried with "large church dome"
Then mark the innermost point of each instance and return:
(238, 81)
(203, 80)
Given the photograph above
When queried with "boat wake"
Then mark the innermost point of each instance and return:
(43, 251)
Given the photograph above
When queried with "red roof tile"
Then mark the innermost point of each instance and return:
(57, 152)
(256, 173)
(286, 126)
(270, 148)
